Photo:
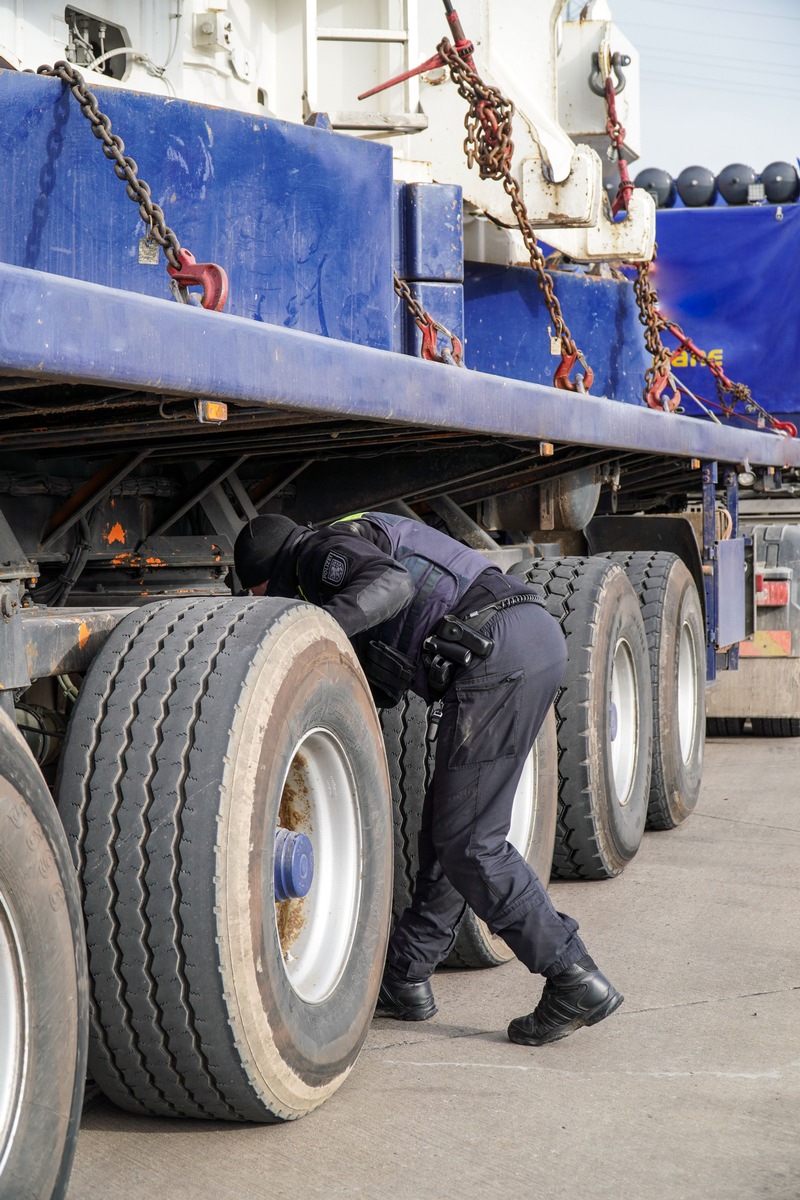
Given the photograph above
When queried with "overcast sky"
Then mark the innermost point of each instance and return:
(720, 81)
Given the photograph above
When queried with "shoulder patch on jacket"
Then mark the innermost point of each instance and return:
(334, 571)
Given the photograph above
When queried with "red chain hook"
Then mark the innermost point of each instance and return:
(210, 277)
(561, 378)
(654, 399)
(430, 343)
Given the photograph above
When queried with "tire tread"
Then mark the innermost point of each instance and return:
(153, 1059)
(576, 587)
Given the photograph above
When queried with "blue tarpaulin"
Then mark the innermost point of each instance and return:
(730, 277)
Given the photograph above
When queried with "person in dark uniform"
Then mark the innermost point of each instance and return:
(426, 613)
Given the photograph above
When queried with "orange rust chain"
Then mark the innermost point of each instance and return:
(430, 329)
(181, 264)
(739, 393)
(656, 377)
(729, 393)
(489, 146)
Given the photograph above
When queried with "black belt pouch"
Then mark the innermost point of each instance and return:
(390, 673)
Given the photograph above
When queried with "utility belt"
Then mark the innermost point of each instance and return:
(458, 641)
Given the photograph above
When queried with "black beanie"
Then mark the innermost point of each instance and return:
(258, 546)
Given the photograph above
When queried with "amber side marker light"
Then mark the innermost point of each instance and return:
(211, 412)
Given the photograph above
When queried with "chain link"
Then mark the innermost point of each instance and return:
(729, 393)
(489, 146)
(429, 328)
(657, 375)
(125, 167)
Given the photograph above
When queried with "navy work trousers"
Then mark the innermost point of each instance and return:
(493, 711)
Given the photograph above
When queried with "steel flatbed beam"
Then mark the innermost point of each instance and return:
(61, 328)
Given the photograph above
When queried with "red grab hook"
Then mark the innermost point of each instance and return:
(562, 380)
(210, 277)
(654, 399)
(430, 330)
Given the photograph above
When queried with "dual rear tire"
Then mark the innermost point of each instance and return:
(631, 710)
(201, 728)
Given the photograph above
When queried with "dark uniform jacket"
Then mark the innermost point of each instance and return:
(348, 570)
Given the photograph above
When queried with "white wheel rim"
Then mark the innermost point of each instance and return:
(624, 720)
(687, 691)
(523, 812)
(14, 1033)
(320, 799)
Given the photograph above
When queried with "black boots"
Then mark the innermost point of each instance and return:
(576, 997)
(405, 1000)
(579, 996)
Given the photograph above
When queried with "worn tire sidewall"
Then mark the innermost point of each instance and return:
(621, 826)
(40, 888)
(309, 679)
(682, 779)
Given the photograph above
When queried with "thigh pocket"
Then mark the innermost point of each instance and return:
(486, 719)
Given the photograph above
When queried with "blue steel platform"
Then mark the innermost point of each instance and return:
(63, 329)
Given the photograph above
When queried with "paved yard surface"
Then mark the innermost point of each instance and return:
(692, 1090)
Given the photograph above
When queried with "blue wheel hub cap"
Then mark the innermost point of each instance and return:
(614, 722)
(294, 865)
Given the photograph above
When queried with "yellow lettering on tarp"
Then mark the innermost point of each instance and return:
(684, 359)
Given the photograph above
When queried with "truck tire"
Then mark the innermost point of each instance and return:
(776, 726)
(724, 726)
(533, 822)
(673, 623)
(604, 716)
(201, 727)
(44, 1001)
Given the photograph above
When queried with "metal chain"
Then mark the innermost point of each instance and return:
(616, 133)
(729, 393)
(489, 146)
(429, 328)
(125, 167)
(657, 375)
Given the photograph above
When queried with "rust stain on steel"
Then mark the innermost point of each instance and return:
(290, 916)
(295, 808)
(115, 534)
(84, 633)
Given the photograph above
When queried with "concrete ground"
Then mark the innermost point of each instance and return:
(690, 1092)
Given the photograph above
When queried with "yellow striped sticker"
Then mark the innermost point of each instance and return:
(768, 643)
